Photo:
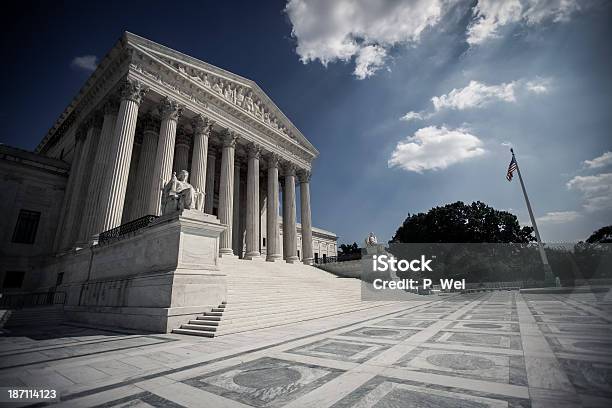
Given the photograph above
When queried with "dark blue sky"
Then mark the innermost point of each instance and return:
(543, 86)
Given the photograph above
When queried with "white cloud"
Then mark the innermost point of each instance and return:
(478, 94)
(412, 115)
(435, 148)
(558, 217)
(596, 190)
(85, 62)
(366, 30)
(369, 60)
(491, 15)
(538, 86)
(601, 161)
(329, 31)
(475, 95)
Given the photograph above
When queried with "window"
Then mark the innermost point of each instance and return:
(60, 278)
(298, 253)
(316, 257)
(264, 242)
(13, 279)
(25, 229)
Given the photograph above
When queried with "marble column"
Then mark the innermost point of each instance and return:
(74, 215)
(272, 246)
(90, 148)
(92, 219)
(146, 164)
(130, 194)
(289, 214)
(306, 216)
(252, 210)
(116, 177)
(209, 199)
(236, 238)
(162, 170)
(181, 151)
(60, 234)
(226, 192)
(201, 131)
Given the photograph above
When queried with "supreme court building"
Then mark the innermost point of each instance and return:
(145, 113)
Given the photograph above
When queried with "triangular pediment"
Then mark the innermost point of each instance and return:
(242, 93)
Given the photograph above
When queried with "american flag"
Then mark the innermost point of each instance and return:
(511, 169)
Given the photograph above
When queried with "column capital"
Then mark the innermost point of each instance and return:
(111, 106)
(304, 176)
(138, 135)
(150, 123)
(212, 150)
(229, 138)
(182, 139)
(202, 125)
(273, 160)
(97, 119)
(253, 151)
(170, 109)
(133, 90)
(81, 132)
(289, 169)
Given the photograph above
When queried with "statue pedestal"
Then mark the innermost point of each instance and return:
(376, 249)
(154, 279)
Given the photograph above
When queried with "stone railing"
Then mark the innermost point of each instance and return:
(339, 258)
(124, 229)
(19, 300)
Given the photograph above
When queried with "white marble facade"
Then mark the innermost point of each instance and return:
(148, 111)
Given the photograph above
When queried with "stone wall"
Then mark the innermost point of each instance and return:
(32, 182)
(152, 280)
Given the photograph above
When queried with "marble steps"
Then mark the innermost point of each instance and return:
(288, 314)
(206, 326)
(288, 307)
(34, 316)
(265, 294)
(192, 332)
(290, 293)
(266, 304)
(230, 328)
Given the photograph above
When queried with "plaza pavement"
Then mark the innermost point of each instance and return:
(501, 349)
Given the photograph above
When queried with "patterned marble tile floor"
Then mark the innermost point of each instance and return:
(502, 349)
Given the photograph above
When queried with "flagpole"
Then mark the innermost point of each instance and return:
(547, 271)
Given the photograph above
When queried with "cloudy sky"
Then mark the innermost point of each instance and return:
(412, 104)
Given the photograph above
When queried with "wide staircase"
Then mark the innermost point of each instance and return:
(265, 294)
(32, 316)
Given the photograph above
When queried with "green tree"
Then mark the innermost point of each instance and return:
(459, 222)
(601, 236)
(349, 249)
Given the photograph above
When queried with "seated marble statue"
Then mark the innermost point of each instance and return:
(371, 240)
(178, 194)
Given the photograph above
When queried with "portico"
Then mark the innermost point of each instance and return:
(148, 111)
